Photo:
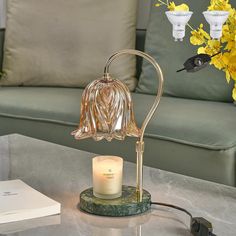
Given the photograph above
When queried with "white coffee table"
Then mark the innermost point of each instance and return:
(62, 173)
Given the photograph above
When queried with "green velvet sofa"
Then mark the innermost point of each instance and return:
(191, 137)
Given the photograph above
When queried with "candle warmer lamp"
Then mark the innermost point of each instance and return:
(107, 113)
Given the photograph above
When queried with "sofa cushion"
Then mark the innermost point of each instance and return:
(197, 123)
(66, 43)
(207, 84)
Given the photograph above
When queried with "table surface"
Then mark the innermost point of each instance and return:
(62, 173)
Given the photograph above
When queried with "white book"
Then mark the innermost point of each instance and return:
(18, 201)
(23, 225)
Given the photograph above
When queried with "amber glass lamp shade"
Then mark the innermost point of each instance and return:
(106, 111)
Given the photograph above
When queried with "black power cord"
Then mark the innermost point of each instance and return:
(198, 226)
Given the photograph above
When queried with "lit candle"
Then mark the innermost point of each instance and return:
(107, 176)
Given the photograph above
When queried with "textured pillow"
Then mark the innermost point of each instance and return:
(67, 42)
(207, 84)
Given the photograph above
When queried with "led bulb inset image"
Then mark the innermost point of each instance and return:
(178, 19)
(216, 19)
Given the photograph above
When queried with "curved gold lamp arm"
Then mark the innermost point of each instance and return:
(140, 143)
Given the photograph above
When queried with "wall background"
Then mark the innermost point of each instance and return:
(143, 12)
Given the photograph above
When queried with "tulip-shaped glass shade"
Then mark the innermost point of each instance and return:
(216, 19)
(178, 19)
(106, 111)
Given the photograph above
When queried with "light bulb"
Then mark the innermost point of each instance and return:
(178, 19)
(216, 19)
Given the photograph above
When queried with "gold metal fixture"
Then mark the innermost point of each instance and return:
(107, 111)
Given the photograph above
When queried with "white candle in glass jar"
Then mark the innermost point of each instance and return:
(107, 176)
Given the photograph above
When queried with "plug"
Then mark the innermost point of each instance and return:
(201, 227)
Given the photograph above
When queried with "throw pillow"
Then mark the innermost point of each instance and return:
(67, 42)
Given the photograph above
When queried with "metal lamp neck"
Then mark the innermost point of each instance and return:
(140, 143)
(159, 76)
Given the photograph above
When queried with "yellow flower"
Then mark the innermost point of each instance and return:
(232, 69)
(229, 35)
(171, 6)
(234, 92)
(219, 5)
(199, 36)
(181, 7)
(232, 15)
(202, 50)
(218, 62)
(212, 47)
(229, 59)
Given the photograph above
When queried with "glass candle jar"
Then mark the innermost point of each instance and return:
(107, 177)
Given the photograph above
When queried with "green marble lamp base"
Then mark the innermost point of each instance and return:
(126, 205)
